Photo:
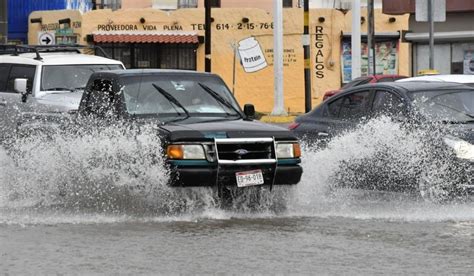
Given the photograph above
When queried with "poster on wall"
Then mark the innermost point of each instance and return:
(469, 62)
(386, 62)
(251, 55)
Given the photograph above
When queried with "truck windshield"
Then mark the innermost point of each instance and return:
(71, 77)
(446, 106)
(150, 95)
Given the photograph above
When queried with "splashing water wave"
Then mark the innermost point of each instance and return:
(113, 171)
(379, 147)
(118, 175)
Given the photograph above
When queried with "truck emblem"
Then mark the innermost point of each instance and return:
(241, 152)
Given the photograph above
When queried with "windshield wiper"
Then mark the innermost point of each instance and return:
(172, 99)
(59, 89)
(78, 88)
(457, 122)
(219, 98)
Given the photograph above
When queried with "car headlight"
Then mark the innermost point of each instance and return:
(461, 148)
(288, 150)
(185, 152)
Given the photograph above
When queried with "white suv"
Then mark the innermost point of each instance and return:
(35, 80)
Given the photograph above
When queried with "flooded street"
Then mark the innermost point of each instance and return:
(78, 215)
(440, 241)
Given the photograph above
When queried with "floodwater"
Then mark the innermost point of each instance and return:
(76, 214)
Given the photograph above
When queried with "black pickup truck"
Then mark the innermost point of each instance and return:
(207, 139)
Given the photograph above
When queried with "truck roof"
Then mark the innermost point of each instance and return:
(136, 72)
(59, 58)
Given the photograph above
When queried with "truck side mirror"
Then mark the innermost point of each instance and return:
(249, 111)
(20, 87)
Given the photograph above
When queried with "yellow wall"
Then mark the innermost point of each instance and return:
(256, 88)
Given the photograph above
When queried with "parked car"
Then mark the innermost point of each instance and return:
(465, 79)
(207, 139)
(36, 79)
(445, 111)
(362, 81)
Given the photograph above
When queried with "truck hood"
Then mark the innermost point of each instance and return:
(60, 102)
(225, 129)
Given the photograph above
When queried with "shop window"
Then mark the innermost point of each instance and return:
(462, 58)
(146, 56)
(287, 3)
(164, 56)
(215, 3)
(442, 65)
(386, 57)
(187, 4)
(108, 4)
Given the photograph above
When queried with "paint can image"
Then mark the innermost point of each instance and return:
(251, 55)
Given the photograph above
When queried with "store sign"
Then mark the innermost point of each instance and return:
(66, 36)
(251, 55)
(386, 59)
(46, 38)
(64, 32)
(134, 27)
(319, 62)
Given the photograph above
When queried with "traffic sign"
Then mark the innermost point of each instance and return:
(439, 10)
(46, 38)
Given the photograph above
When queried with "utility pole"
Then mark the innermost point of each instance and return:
(307, 59)
(355, 39)
(207, 34)
(3, 21)
(371, 38)
(431, 22)
(278, 108)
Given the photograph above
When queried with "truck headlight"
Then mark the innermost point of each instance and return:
(461, 148)
(185, 152)
(288, 150)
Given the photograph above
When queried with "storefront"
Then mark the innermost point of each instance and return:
(453, 51)
(242, 46)
(454, 38)
(151, 49)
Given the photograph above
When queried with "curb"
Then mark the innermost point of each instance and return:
(278, 119)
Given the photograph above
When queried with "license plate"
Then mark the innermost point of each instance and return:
(249, 178)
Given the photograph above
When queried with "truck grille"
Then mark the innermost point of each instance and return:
(245, 149)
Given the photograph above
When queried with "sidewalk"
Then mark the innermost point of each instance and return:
(278, 119)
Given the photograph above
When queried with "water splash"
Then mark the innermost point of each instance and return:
(117, 175)
(114, 171)
(395, 150)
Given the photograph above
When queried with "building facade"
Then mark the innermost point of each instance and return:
(454, 38)
(176, 4)
(242, 45)
(19, 10)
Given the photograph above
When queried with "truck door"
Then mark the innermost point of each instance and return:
(11, 103)
(4, 72)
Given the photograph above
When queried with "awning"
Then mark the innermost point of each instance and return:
(440, 36)
(389, 35)
(145, 37)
